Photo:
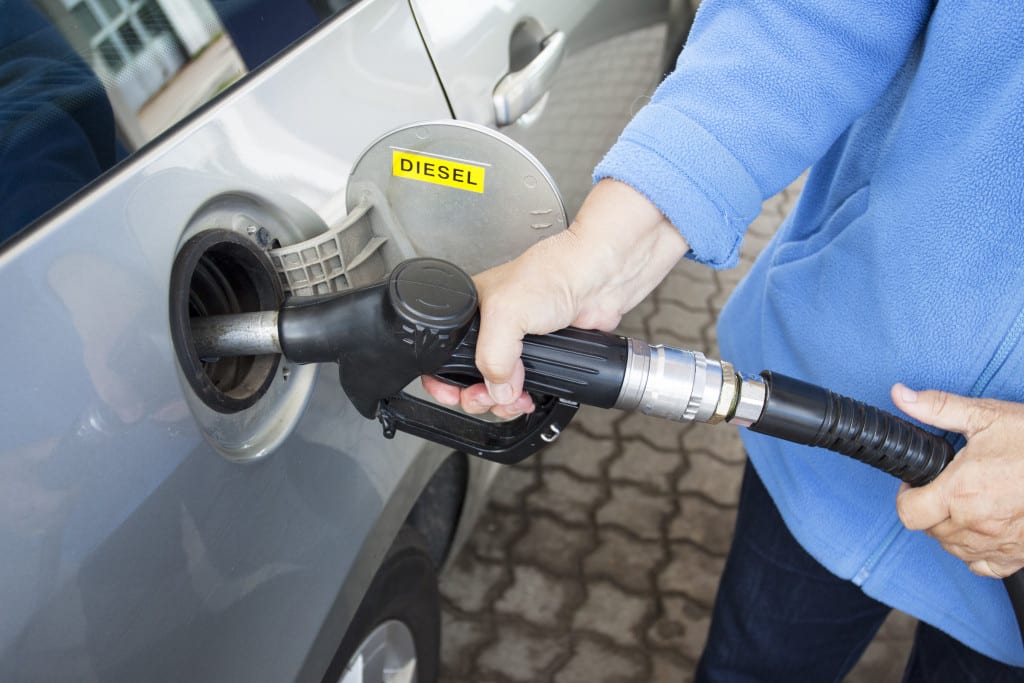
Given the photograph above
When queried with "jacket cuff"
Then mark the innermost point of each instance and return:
(691, 177)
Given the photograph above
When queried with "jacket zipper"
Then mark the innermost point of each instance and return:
(1000, 356)
(869, 565)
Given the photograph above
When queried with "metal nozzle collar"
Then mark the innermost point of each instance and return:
(671, 383)
(634, 382)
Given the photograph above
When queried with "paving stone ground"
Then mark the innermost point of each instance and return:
(597, 561)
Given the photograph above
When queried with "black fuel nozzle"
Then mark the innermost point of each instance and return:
(384, 336)
(423, 321)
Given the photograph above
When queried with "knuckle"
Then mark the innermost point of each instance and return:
(967, 490)
(496, 353)
(1009, 549)
(598, 319)
(987, 526)
(495, 364)
(982, 415)
(940, 402)
(493, 368)
(472, 407)
(957, 550)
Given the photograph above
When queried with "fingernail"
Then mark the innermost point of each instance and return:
(501, 393)
(907, 394)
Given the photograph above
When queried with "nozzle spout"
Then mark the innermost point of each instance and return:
(238, 334)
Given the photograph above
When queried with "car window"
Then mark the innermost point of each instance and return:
(84, 84)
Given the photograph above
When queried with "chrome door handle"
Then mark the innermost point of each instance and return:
(520, 90)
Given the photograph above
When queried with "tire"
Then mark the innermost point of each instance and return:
(399, 615)
(436, 512)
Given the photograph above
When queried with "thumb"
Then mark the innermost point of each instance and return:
(950, 412)
(499, 347)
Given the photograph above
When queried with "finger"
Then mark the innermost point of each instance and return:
(941, 409)
(948, 531)
(522, 405)
(498, 350)
(442, 392)
(986, 568)
(924, 507)
(963, 553)
(969, 553)
(965, 546)
(476, 399)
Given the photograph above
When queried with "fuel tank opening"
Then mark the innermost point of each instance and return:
(221, 272)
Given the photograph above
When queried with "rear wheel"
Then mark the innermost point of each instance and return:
(395, 634)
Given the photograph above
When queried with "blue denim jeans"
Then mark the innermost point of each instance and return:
(781, 616)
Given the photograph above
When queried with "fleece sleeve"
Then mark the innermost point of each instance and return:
(761, 91)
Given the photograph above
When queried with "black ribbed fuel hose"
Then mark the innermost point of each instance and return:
(805, 413)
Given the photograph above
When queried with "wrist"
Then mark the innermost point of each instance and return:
(627, 245)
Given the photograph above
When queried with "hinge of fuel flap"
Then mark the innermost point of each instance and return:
(344, 256)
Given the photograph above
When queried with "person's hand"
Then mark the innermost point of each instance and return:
(616, 251)
(974, 508)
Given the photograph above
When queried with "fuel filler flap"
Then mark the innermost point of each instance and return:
(458, 191)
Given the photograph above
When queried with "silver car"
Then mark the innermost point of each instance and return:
(164, 517)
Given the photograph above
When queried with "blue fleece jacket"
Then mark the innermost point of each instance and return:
(902, 261)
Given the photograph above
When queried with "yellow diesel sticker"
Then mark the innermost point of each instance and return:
(437, 170)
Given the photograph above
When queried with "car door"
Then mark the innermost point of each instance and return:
(147, 534)
(561, 78)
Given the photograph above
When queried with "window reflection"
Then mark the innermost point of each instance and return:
(83, 83)
(141, 49)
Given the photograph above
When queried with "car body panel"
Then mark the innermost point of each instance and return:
(470, 41)
(128, 540)
(137, 544)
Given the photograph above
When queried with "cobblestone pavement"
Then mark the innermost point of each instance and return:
(598, 559)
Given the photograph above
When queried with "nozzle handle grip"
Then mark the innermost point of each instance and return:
(586, 366)
(805, 413)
